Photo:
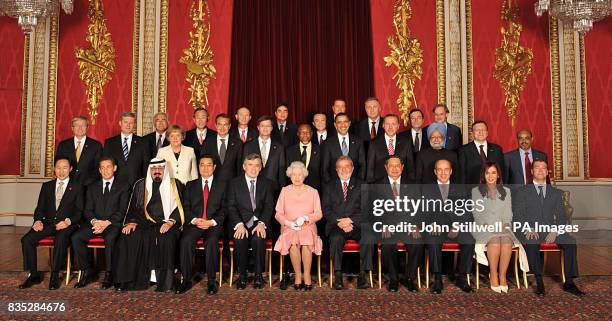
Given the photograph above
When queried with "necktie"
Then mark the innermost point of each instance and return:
(303, 156)
(59, 193)
(390, 147)
(321, 140)
(264, 152)
(483, 157)
(282, 129)
(345, 190)
(395, 190)
(126, 151)
(541, 194)
(527, 169)
(249, 224)
(444, 191)
(345, 149)
(222, 150)
(205, 199)
(106, 188)
(373, 130)
(201, 138)
(243, 135)
(417, 143)
(77, 151)
(159, 142)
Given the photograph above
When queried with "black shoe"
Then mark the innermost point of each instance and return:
(393, 286)
(298, 287)
(258, 282)
(540, 288)
(573, 289)
(212, 287)
(87, 277)
(307, 287)
(437, 286)
(107, 283)
(339, 282)
(54, 282)
(284, 284)
(183, 287)
(121, 288)
(362, 282)
(410, 285)
(242, 283)
(31, 280)
(462, 284)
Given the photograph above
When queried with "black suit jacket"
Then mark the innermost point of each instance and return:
(111, 206)
(422, 137)
(151, 140)
(513, 168)
(332, 150)
(334, 206)
(362, 129)
(315, 137)
(191, 140)
(252, 133)
(86, 170)
(437, 214)
(471, 164)
(275, 165)
(289, 138)
(138, 158)
(239, 207)
(71, 205)
(425, 163)
(194, 200)
(293, 154)
(378, 153)
(454, 139)
(232, 164)
(527, 207)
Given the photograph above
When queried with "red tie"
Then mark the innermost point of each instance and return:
(205, 198)
(390, 148)
(373, 130)
(483, 157)
(527, 169)
(243, 135)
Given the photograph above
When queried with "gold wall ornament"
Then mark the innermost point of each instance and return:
(198, 57)
(406, 55)
(512, 61)
(97, 60)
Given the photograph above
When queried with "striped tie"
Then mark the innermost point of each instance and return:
(125, 149)
(345, 190)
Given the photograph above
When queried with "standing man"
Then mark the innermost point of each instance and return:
(309, 154)
(517, 163)
(283, 131)
(320, 124)
(106, 202)
(416, 134)
(129, 150)
(205, 214)
(390, 144)
(243, 132)
(157, 139)
(343, 144)
(82, 151)
(57, 213)
(453, 136)
(270, 150)
(338, 107)
(473, 155)
(226, 150)
(370, 127)
(195, 138)
(250, 206)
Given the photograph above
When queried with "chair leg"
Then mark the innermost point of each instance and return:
(68, 267)
(79, 276)
(95, 256)
(371, 280)
(455, 257)
(427, 270)
(545, 260)
(516, 274)
(477, 275)
(319, 269)
(525, 280)
(562, 266)
(231, 267)
(468, 278)
(270, 268)
(331, 272)
(379, 269)
(280, 269)
(50, 258)
(419, 276)
(220, 267)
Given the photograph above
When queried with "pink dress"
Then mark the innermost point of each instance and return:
(292, 205)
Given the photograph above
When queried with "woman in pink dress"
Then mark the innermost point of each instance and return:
(297, 210)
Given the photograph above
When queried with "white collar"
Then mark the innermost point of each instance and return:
(387, 137)
(104, 181)
(248, 179)
(440, 183)
(129, 137)
(65, 181)
(209, 179)
(340, 136)
(398, 180)
(261, 140)
(82, 140)
(202, 131)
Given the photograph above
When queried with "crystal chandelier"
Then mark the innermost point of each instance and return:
(27, 12)
(579, 13)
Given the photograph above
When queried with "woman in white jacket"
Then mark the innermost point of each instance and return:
(180, 159)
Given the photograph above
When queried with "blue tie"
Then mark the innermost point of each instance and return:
(345, 149)
(125, 149)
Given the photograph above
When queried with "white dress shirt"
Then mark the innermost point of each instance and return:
(65, 182)
(414, 132)
(201, 133)
(308, 149)
(319, 134)
(226, 138)
(82, 140)
(129, 141)
(484, 147)
(348, 141)
(268, 143)
(376, 123)
(387, 140)
(398, 181)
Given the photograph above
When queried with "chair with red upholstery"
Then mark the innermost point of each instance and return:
(350, 246)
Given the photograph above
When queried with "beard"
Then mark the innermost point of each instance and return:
(157, 179)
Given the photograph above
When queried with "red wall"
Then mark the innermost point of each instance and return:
(598, 50)
(11, 88)
(534, 111)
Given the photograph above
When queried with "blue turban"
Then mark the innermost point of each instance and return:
(440, 127)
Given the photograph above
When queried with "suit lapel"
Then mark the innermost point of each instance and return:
(517, 162)
(247, 193)
(67, 193)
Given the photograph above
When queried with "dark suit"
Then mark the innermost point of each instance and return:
(289, 137)
(151, 140)
(315, 136)
(274, 168)
(362, 129)
(86, 170)
(232, 164)
(294, 154)
(332, 150)
(71, 207)
(378, 153)
(471, 164)
(111, 206)
(251, 134)
(529, 207)
(191, 140)
(422, 138)
(138, 158)
(453, 139)
(426, 161)
(240, 210)
(334, 208)
(194, 208)
(513, 168)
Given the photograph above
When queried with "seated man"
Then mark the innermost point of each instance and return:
(394, 167)
(250, 204)
(147, 246)
(57, 213)
(342, 209)
(542, 204)
(106, 202)
(204, 199)
(443, 190)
